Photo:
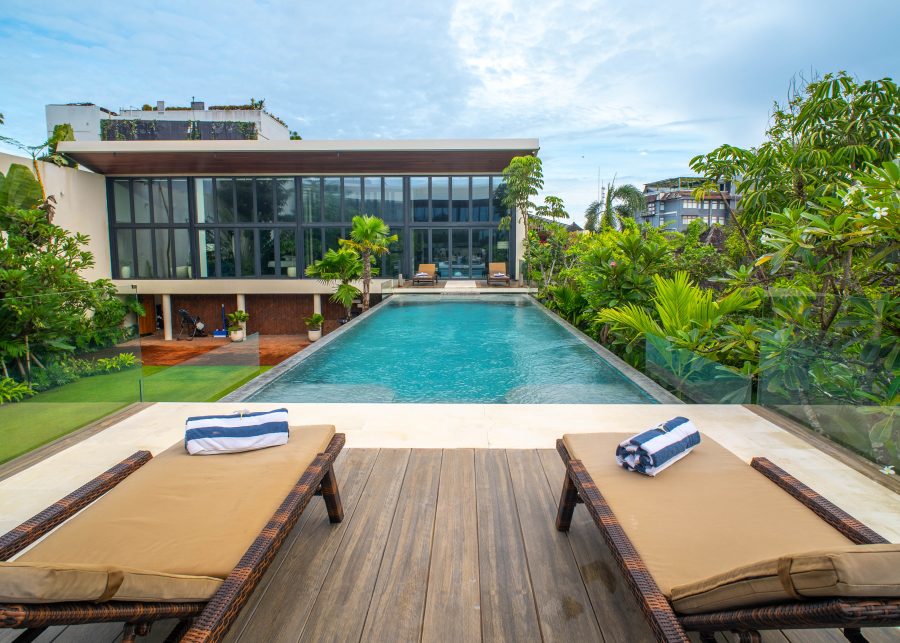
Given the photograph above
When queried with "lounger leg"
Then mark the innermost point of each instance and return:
(332, 496)
(854, 635)
(567, 501)
(128, 633)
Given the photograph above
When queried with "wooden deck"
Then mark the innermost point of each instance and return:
(453, 545)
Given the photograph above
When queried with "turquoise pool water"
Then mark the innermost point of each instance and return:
(493, 349)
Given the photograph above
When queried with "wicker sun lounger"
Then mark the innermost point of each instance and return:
(175, 536)
(497, 274)
(710, 544)
(426, 269)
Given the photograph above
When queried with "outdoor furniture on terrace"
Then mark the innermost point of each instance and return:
(190, 325)
(709, 545)
(186, 537)
(427, 274)
(497, 274)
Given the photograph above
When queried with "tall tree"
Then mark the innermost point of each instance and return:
(617, 205)
(524, 178)
(343, 266)
(370, 237)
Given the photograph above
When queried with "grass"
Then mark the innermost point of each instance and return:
(58, 412)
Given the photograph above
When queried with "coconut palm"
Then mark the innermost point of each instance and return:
(370, 237)
(343, 265)
(617, 205)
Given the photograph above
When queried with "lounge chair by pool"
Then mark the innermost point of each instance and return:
(426, 274)
(175, 536)
(711, 545)
(497, 274)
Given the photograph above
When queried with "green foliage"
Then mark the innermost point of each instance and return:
(13, 391)
(64, 369)
(19, 189)
(523, 180)
(314, 321)
(553, 208)
(343, 265)
(701, 260)
(370, 237)
(567, 302)
(619, 204)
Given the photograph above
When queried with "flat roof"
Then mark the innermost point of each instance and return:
(423, 156)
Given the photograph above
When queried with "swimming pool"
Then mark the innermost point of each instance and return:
(490, 349)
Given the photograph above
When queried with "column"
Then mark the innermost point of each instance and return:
(241, 302)
(317, 303)
(167, 316)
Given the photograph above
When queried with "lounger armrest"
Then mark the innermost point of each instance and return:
(225, 605)
(29, 531)
(826, 510)
(653, 603)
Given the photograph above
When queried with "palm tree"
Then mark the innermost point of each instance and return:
(343, 265)
(370, 237)
(617, 205)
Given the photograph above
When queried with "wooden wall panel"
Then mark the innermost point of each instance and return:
(208, 307)
(278, 314)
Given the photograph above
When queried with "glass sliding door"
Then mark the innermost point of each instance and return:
(420, 251)
(440, 251)
(481, 244)
(460, 265)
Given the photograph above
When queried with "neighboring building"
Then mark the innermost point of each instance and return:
(199, 224)
(223, 122)
(671, 203)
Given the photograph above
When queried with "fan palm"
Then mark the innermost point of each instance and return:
(343, 265)
(370, 237)
(618, 204)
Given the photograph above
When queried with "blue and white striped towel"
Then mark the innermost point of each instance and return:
(659, 448)
(214, 434)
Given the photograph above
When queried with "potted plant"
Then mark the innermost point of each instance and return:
(314, 326)
(237, 325)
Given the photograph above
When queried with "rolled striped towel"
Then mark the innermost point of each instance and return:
(659, 448)
(243, 431)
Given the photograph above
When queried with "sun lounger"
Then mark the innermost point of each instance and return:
(427, 274)
(497, 274)
(175, 536)
(711, 545)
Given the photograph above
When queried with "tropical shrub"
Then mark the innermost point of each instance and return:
(343, 265)
(13, 391)
(370, 237)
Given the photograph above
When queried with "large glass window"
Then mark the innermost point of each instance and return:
(144, 246)
(311, 199)
(332, 199)
(332, 239)
(481, 244)
(418, 196)
(312, 246)
(183, 267)
(393, 199)
(372, 187)
(420, 249)
(207, 245)
(244, 190)
(392, 262)
(352, 197)
(498, 194)
(165, 253)
(481, 198)
(440, 251)
(180, 200)
(460, 192)
(122, 200)
(265, 200)
(225, 200)
(206, 201)
(141, 200)
(125, 252)
(500, 249)
(267, 253)
(440, 199)
(287, 247)
(227, 253)
(287, 201)
(248, 253)
(162, 206)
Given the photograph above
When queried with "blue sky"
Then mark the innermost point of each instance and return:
(628, 89)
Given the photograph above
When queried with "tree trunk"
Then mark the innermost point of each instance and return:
(5, 372)
(367, 278)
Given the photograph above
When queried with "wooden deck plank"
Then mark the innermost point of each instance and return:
(452, 607)
(617, 610)
(281, 604)
(339, 612)
(398, 601)
(508, 612)
(93, 633)
(564, 609)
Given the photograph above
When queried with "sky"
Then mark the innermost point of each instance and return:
(626, 90)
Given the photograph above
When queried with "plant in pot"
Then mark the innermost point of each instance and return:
(314, 326)
(237, 325)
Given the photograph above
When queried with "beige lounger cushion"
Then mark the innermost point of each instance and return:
(858, 570)
(182, 515)
(58, 582)
(705, 515)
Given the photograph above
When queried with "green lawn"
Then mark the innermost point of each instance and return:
(52, 414)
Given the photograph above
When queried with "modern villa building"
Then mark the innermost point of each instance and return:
(202, 224)
(671, 203)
